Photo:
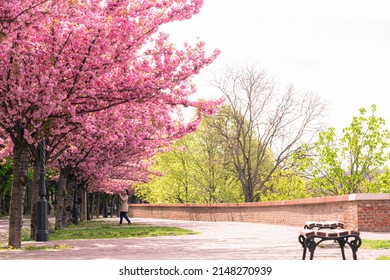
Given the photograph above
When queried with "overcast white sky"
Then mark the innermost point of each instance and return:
(339, 49)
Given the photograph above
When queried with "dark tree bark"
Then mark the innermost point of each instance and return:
(20, 180)
(62, 182)
(68, 202)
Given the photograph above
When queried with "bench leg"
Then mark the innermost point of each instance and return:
(342, 242)
(311, 245)
(301, 240)
(355, 244)
(304, 253)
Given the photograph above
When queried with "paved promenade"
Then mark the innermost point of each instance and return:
(216, 241)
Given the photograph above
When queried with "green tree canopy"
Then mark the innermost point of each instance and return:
(196, 169)
(354, 163)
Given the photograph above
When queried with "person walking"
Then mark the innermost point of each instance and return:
(124, 207)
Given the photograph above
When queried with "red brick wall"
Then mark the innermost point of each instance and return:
(364, 212)
(374, 215)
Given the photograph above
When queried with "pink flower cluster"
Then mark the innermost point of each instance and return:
(98, 81)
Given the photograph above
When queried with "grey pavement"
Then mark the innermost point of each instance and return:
(215, 241)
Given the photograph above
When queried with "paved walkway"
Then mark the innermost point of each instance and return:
(216, 241)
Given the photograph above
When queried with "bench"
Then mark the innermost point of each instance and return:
(322, 225)
(310, 237)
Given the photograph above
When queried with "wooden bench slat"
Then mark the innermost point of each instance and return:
(354, 232)
(307, 232)
(323, 224)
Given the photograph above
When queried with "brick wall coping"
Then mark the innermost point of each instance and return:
(369, 196)
(315, 200)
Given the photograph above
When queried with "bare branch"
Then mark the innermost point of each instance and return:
(23, 12)
(262, 126)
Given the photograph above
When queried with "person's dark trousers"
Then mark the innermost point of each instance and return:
(123, 215)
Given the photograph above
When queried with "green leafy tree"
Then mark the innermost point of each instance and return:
(286, 185)
(354, 163)
(196, 169)
(382, 182)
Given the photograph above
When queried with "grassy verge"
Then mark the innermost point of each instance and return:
(100, 229)
(375, 245)
(44, 247)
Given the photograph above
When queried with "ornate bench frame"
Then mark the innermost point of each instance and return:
(310, 238)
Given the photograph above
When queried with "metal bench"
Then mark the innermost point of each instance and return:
(310, 238)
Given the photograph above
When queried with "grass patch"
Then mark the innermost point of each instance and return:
(102, 230)
(375, 244)
(26, 234)
(53, 247)
(5, 247)
(383, 258)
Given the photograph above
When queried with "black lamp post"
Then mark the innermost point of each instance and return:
(42, 233)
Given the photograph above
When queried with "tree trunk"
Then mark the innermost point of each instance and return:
(247, 193)
(34, 199)
(61, 197)
(67, 212)
(89, 206)
(21, 161)
(93, 208)
(112, 205)
(105, 212)
(84, 204)
(27, 198)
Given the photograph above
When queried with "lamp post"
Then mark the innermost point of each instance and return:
(42, 233)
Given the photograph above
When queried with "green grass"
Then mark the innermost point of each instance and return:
(26, 234)
(38, 247)
(102, 230)
(375, 244)
(383, 258)
(53, 247)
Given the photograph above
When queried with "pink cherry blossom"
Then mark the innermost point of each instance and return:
(99, 81)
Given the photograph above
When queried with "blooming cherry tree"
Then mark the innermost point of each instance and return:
(61, 60)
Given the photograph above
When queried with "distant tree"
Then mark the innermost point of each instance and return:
(354, 163)
(216, 165)
(196, 169)
(286, 185)
(262, 125)
(381, 184)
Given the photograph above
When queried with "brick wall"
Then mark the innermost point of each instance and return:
(364, 212)
(373, 215)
